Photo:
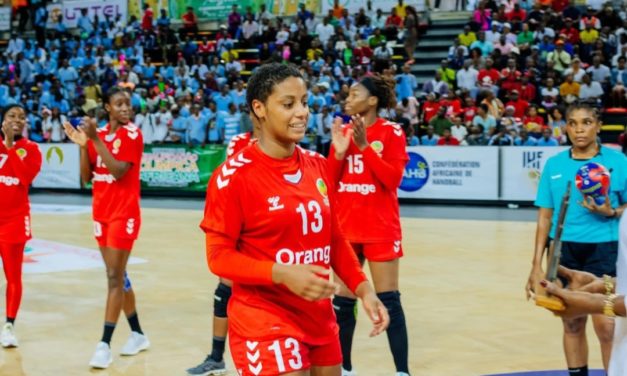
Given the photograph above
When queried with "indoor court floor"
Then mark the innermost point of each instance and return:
(462, 283)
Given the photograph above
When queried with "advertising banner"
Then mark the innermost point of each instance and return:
(110, 8)
(5, 18)
(520, 170)
(459, 173)
(385, 5)
(60, 167)
(209, 10)
(179, 167)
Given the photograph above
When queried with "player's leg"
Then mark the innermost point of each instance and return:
(137, 341)
(345, 305)
(214, 362)
(383, 260)
(326, 360)
(12, 257)
(576, 346)
(326, 371)
(604, 329)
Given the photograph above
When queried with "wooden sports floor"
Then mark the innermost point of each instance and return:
(462, 285)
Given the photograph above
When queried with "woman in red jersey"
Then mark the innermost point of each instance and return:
(20, 162)
(366, 163)
(270, 228)
(110, 160)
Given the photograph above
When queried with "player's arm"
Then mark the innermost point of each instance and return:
(86, 167)
(25, 169)
(340, 142)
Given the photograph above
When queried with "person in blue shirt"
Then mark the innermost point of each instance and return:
(406, 83)
(239, 93)
(215, 132)
(229, 123)
(547, 138)
(524, 139)
(223, 99)
(196, 128)
(84, 24)
(429, 139)
(590, 234)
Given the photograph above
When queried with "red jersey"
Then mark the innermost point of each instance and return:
(521, 107)
(430, 109)
(488, 77)
(147, 19)
(450, 141)
(238, 143)
(18, 168)
(469, 114)
(117, 199)
(367, 182)
(261, 211)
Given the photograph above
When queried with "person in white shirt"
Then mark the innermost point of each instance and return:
(467, 77)
(599, 72)
(493, 34)
(543, 31)
(16, 45)
(52, 124)
(250, 27)
(161, 124)
(452, 51)
(590, 91)
(325, 31)
(576, 70)
(144, 121)
(459, 130)
(409, 109)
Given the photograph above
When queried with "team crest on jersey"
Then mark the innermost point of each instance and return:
(116, 146)
(377, 146)
(322, 188)
(21, 152)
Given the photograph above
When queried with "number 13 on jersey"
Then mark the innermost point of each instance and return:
(311, 217)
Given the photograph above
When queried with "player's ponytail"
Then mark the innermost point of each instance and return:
(384, 88)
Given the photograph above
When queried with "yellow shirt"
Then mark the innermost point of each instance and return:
(400, 10)
(570, 89)
(589, 36)
(229, 56)
(93, 92)
(466, 40)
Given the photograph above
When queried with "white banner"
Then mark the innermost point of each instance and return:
(521, 167)
(385, 5)
(60, 167)
(5, 18)
(55, 11)
(111, 8)
(450, 172)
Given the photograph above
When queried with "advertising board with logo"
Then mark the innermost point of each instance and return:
(60, 167)
(520, 171)
(71, 10)
(353, 6)
(451, 173)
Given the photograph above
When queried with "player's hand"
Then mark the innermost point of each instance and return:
(341, 140)
(9, 135)
(89, 127)
(577, 303)
(76, 135)
(536, 275)
(377, 313)
(310, 282)
(604, 210)
(581, 281)
(359, 132)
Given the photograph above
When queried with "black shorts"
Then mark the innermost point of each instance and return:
(595, 258)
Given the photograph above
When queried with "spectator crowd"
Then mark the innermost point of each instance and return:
(506, 80)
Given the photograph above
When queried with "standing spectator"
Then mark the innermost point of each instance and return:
(229, 123)
(52, 125)
(406, 83)
(163, 23)
(190, 22)
(68, 78)
(393, 24)
(196, 128)
(234, 21)
(84, 23)
(39, 24)
(147, 18)
(410, 24)
(325, 31)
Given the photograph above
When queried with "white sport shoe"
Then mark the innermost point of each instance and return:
(348, 373)
(402, 374)
(7, 336)
(102, 357)
(136, 342)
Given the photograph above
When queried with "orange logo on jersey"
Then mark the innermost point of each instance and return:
(21, 152)
(116, 146)
(377, 146)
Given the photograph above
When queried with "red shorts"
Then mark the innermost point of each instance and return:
(379, 251)
(118, 234)
(15, 230)
(280, 355)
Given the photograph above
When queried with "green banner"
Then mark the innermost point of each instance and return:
(179, 167)
(211, 10)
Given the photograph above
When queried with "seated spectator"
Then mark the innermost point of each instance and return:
(590, 91)
(569, 90)
(483, 118)
(430, 138)
(467, 37)
(409, 109)
(493, 35)
(436, 85)
(447, 139)
(469, 111)
(524, 139)
(501, 138)
(476, 137)
(549, 94)
(440, 122)
(576, 70)
(547, 138)
(509, 119)
(448, 74)
(459, 130)
(560, 58)
(430, 108)
(533, 122)
(494, 104)
(519, 104)
(618, 82)
(484, 46)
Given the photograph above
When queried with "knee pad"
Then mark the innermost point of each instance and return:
(345, 309)
(127, 283)
(392, 301)
(221, 300)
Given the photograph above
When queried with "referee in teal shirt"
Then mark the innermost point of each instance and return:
(590, 234)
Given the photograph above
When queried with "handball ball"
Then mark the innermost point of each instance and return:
(593, 180)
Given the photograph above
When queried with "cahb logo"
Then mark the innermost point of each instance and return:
(416, 173)
(54, 150)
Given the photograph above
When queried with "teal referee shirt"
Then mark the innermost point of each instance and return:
(581, 225)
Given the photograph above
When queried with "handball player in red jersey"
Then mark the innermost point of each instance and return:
(271, 229)
(20, 162)
(110, 160)
(366, 164)
(214, 362)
